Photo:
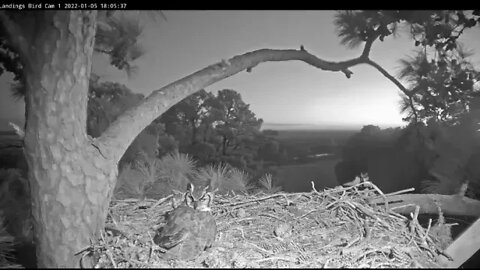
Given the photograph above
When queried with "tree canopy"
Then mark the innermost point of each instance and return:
(440, 80)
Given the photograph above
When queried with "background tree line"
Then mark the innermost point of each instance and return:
(206, 128)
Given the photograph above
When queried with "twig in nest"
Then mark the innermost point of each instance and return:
(160, 201)
(380, 192)
(85, 252)
(394, 215)
(306, 214)
(276, 258)
(110, 256)
(335, 201)
(111, 216)
(108, 251)
(372, 214)
(414, 222)
(286, 199)
(240, 220)
(261, 249)
(139, 262)
(313, 187)
(272, 216)
(421, 232)
(366, 253)
(256, 200)
(357, 239)
(424, 238)
(81, 259)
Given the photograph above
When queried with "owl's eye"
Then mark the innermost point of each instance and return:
(206, 199)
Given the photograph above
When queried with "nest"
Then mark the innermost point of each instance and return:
(333, 228)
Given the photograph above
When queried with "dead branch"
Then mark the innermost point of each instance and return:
(450, 204)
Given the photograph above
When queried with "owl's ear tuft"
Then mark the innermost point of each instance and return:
(189, 200)
(190, 187)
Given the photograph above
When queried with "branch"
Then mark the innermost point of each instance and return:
(402, 88)
(368, 47)
(412, 107)
(122, 132)
(103, 51)
(450, 204)
(390, 77)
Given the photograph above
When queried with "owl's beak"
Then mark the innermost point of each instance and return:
(204, 208)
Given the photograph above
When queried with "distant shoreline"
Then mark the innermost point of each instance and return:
(320, 127)
(306, 127)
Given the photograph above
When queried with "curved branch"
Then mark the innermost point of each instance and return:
(368, 46)
(121, 133)
(390, 77)
(412, 107)
(400, 86)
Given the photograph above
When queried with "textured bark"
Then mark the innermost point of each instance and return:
(71, 182)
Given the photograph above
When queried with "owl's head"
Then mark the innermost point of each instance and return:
(198, 199)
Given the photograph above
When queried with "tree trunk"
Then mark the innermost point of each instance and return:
(194, 131)
(224, 145)
(71, 182)
(205, 133)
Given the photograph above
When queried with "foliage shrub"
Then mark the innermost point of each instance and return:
(130, 183)
(268, 184)
(237, 180)
(15, 204)
(223, 177)
(6, 247)
(154, 177)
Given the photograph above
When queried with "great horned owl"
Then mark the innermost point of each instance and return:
(199, 199)
(190, 228)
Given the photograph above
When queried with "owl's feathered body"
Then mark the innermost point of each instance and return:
(190, 228)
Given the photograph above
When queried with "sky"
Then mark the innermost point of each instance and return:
(280, 93)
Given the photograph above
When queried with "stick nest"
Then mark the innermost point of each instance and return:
(333, 228)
